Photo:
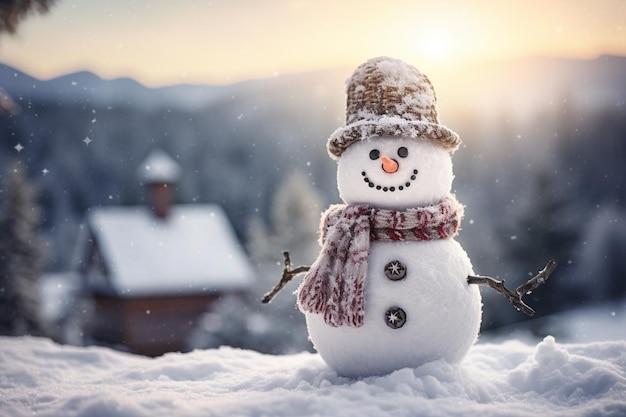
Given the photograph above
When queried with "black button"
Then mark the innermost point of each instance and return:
(395, 270)
(395, 317)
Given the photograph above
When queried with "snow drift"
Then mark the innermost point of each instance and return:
(38, 377)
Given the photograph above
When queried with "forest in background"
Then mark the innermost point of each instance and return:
(540, 169)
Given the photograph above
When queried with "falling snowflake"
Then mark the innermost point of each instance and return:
(18, 147)
(45, 171)
(87, 141)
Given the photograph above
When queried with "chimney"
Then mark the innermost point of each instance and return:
(159, 173)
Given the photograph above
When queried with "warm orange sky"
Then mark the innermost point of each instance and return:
(163, 42)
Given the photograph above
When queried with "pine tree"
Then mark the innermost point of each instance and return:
(280, 327)
(545, 228)
(20, 257)
(294, 214)
(13, 11)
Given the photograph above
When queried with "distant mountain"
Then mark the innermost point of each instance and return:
(87, 87)
(521, 85)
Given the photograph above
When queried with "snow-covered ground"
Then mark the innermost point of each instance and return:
(511, 378)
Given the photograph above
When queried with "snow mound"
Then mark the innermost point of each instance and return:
(38, 377)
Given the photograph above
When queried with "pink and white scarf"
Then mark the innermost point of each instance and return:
(335, 284)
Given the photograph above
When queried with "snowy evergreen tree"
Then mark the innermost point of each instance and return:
(278, 327)
(13, 11)
(20, 257)
(600, 272)
(295, 215)
(544, 228)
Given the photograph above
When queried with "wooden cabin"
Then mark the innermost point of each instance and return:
(151, 271)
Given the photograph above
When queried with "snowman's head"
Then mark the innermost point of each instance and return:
(395, 173)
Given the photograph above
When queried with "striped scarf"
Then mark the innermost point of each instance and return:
(335, 284)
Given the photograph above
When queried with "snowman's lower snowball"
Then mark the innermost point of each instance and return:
(443, 312)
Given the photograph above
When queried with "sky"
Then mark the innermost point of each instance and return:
(161, 42)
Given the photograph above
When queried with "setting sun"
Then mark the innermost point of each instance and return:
(437, 46)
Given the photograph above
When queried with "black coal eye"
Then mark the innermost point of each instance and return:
(403, 152)
(374, 154)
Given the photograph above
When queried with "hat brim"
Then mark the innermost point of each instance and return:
(391, 126)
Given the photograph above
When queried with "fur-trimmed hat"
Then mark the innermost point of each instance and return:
(387, 97)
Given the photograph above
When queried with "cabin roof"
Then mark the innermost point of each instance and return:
(193, 250)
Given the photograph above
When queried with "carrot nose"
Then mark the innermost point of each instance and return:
(389, 165)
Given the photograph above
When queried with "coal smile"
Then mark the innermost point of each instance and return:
(407, 184)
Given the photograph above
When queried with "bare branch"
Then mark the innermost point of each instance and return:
(537, 280)
(288, 275)
(498, 285)
(515, 297)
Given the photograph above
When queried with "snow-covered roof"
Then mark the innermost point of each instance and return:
(159, 167)
(194, 250)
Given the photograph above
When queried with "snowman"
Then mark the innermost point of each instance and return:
(390, 286)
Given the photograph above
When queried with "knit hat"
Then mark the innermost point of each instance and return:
(387, 97)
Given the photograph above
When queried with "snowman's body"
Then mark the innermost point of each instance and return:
(418, 305)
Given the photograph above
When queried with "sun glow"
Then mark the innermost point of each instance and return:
(218, 42)
(437, 46)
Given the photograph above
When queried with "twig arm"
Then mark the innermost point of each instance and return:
(287, 276)
(498, 286)
(537, 280)
(515, 297)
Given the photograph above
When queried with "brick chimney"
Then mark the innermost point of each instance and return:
(159, 173)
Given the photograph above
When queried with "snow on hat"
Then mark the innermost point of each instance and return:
(387, 97)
